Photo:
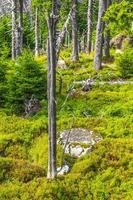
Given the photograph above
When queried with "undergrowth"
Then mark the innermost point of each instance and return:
(104, 174)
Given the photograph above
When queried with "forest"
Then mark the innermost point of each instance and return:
(66, 99)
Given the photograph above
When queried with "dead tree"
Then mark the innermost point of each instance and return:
(90, 25)
(52, 61)
(14, 13)
(75, 53)
(36, 33)
(21, 23)
(99, 36)
(17, 27)
(19, 33)
(107, 34)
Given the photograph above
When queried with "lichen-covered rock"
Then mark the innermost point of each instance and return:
(78, 141)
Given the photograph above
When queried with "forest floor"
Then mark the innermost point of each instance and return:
(105, 173)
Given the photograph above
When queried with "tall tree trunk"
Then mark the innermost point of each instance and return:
(19, 31)
(75, 54)
(14, 11)
(107, 45)
(99, 36)
(21, 23)
(17, 27)
(90, 25)
(52, 61)
(52, 105)
(30, 13)
(36, 33)
(107, 35)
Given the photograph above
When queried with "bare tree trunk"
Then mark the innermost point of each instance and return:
(21, 24)
(68, 39)
(36, 33)
(49, 175)
(107, 45)
(14, 11)
(99, 36)
(75, 53)
(107, 35)
(19, 30)
(30, 13)
(17, 42)
(52, 61)
(90, 25)
(17, 27)
(52, 107)
(61, 36)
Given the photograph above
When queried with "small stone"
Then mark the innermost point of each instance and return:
(63, 170)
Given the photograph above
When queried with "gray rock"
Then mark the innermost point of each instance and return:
(63, 170)
(32, 106)
(78, 141)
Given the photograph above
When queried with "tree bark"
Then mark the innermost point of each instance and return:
(36, 33)
(52, 61)
(14, 11)
(19, 30)
(107, 35)
(17, 27)
(99, 36)
(21, 24)
(90, 25)
(30, 13)
(75, 53)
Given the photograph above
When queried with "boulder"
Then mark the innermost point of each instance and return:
(78, 141)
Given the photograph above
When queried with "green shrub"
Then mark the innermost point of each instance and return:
(5, 36)
(27, 78)
(20, 170)
(15, 129)
(3, 82)
(125, 62)
(6, 140)
(39, 152)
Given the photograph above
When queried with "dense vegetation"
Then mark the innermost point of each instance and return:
(106, 108)
(104, 174)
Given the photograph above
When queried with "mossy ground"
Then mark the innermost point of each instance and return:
(106, 173)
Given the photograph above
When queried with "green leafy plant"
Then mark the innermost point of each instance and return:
(125, 62)
(26, 79)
